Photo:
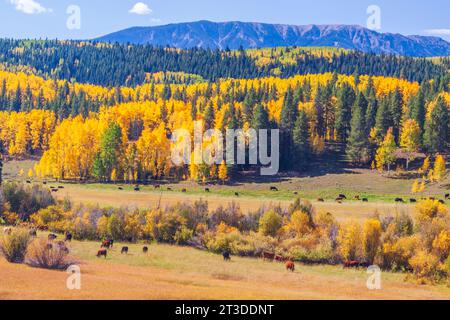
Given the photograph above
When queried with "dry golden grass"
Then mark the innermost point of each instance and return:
(169, 272)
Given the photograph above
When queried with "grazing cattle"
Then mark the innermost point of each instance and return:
(28, 181)
(268, 256)
(157, 186)
(447, 196)
(320, 200)
(357, 198)
(295, 192)
(124, 250)
(60, 187)
(44, 183)
(7, 231)
(54, 190)
(52, 237)
(365, 200)
(351, 264)
(236, 194)
(102, 252)
(137, 189)
(61, 244)
(33, 233)
(120, 188)
(399, 200)
(69, 237)
(145, 249)
(412, 200)
(342, 196)
(207, 190)
(184, 190)
(273, 189)
(441, 201)
(226, 256)
(279, 258)
(107, 244)
(290, 266)
(432, 198)
(169, 189)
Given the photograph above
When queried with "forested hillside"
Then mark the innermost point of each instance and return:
(122, 133)
(129, 65)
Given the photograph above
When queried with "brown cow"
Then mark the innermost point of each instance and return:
(320, 200)
(102, 252)
(290, 266)
(145, 249)
(351, 264)
(107, 244)
(268, 256)
(52, 237)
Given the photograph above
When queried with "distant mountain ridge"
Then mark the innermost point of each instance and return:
(233, 35)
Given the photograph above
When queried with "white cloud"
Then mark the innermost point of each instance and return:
(29, 6)
(438, 32)
(141, 9)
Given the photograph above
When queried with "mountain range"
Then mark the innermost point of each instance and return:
(233, 35)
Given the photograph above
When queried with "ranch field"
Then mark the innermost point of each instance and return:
(254, 192)
(170, 272)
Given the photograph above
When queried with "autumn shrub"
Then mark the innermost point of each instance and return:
(396, 254)
(350, 241)
(432, 218)
(162, 226)
(426, 266)
(42, 254)
(371, 239)
(230, 215)
(183, 235)
(25, 200)
(270, 223)
(14, 246)
(319, 254)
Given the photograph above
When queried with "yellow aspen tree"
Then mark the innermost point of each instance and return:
(439, 168)
(223, 172)
(410, 139)
(415, 187)
(385, 155)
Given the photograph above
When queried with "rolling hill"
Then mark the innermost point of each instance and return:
(233, 35)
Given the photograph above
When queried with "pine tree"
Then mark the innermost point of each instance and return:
(383, 119)
(260, 118)
(346, 99)
(209, 117)
(358, 144)
(110, 151)
(302, 146)
(396, 111)
(288, 117)
(436, 135)
(417, 109)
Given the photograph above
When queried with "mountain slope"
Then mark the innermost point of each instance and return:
(233, 35)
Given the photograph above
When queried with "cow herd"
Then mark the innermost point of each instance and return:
(109, 244)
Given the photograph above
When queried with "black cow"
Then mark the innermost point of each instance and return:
(69, 237)
(124, 250)
(145, 249)
(273, 189)
(226, 256)
(399, 200)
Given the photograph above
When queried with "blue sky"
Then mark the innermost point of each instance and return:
(48, 18)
